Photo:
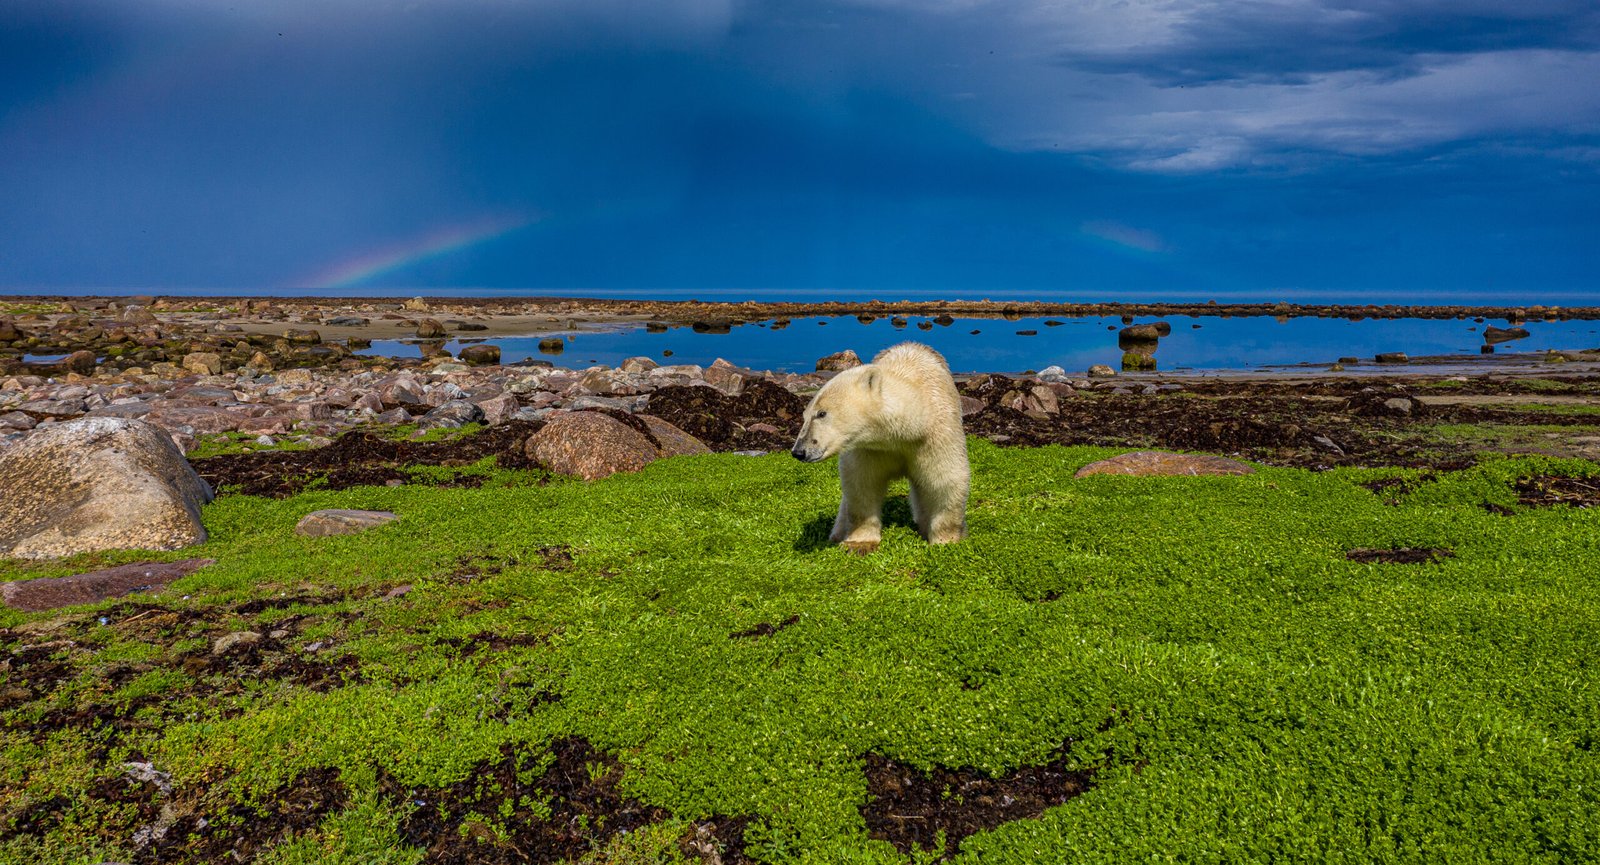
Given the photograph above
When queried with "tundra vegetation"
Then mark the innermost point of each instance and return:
(1389, 665)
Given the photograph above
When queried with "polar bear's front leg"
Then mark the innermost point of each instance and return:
(863, 485)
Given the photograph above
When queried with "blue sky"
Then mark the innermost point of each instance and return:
(1388, 150)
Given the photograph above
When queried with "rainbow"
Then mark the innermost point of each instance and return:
(397, 256)
(1123, 237)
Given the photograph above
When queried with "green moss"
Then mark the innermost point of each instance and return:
(228, 443)
(151, 683)
(409, 432)
(1247, 693)
(18, 307)
(1509, 437)
(1552, 408)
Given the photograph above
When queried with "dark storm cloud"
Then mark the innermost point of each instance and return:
(1288, 42)
(935, 145)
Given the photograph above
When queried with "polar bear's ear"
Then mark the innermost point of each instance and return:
(872, 381)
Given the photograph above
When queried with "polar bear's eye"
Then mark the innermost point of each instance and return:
(821, 415)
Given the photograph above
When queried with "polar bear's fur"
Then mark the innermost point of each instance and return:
(899, 416)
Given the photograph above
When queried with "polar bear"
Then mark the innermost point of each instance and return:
(899, 416)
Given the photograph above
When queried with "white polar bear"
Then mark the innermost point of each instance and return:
(897, 417)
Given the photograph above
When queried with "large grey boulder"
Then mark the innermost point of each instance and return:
(101, 483)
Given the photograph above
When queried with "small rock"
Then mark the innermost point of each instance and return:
(481, 354)
(82, 362)
(55, 407)
(429, 328)
(1398, 405)
(1134, 361)
(147, 773)
(1161, 463)
(1143, 332)
(228, 642)
(16, 420)
(638, 364)
(1053, 374)
(1100, 370)
(1495, 335)
(606, 402)
(839, 361)
(341, 521)
(203, 363)
(673, 441)
(51, 593)
(455, 413)
(416, 304)
(590, 445)
(398, 591)
(1392, 357)
(724, 378)
(496, 410)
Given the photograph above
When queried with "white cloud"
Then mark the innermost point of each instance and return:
(1202, 85)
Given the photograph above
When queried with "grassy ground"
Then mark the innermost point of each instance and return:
(219, 444)
(1243, 691)
(1514, 438)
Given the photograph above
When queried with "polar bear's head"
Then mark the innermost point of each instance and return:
(841, 415)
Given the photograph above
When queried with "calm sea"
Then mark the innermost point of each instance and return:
(1195, 344)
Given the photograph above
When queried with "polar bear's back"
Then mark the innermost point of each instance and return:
(925, 372)
(913, 360)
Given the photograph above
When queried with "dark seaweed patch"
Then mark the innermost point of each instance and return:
(558, 814)
(765, 629)
(365, 459)
(1392, 490)
(936, 810)
(1547, 490)
(240, 831)
(717, 841)
(1400, 555)
(720, 420)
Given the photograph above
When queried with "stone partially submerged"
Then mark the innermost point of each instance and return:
(101, 483)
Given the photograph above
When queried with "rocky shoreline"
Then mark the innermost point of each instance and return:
(176, 336)
(239, 375)
(1324, 419)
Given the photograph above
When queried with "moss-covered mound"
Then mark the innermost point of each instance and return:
(673, 666)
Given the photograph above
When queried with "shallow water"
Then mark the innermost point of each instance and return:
(1196, 343)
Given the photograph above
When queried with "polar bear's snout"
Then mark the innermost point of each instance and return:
(807, 451)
